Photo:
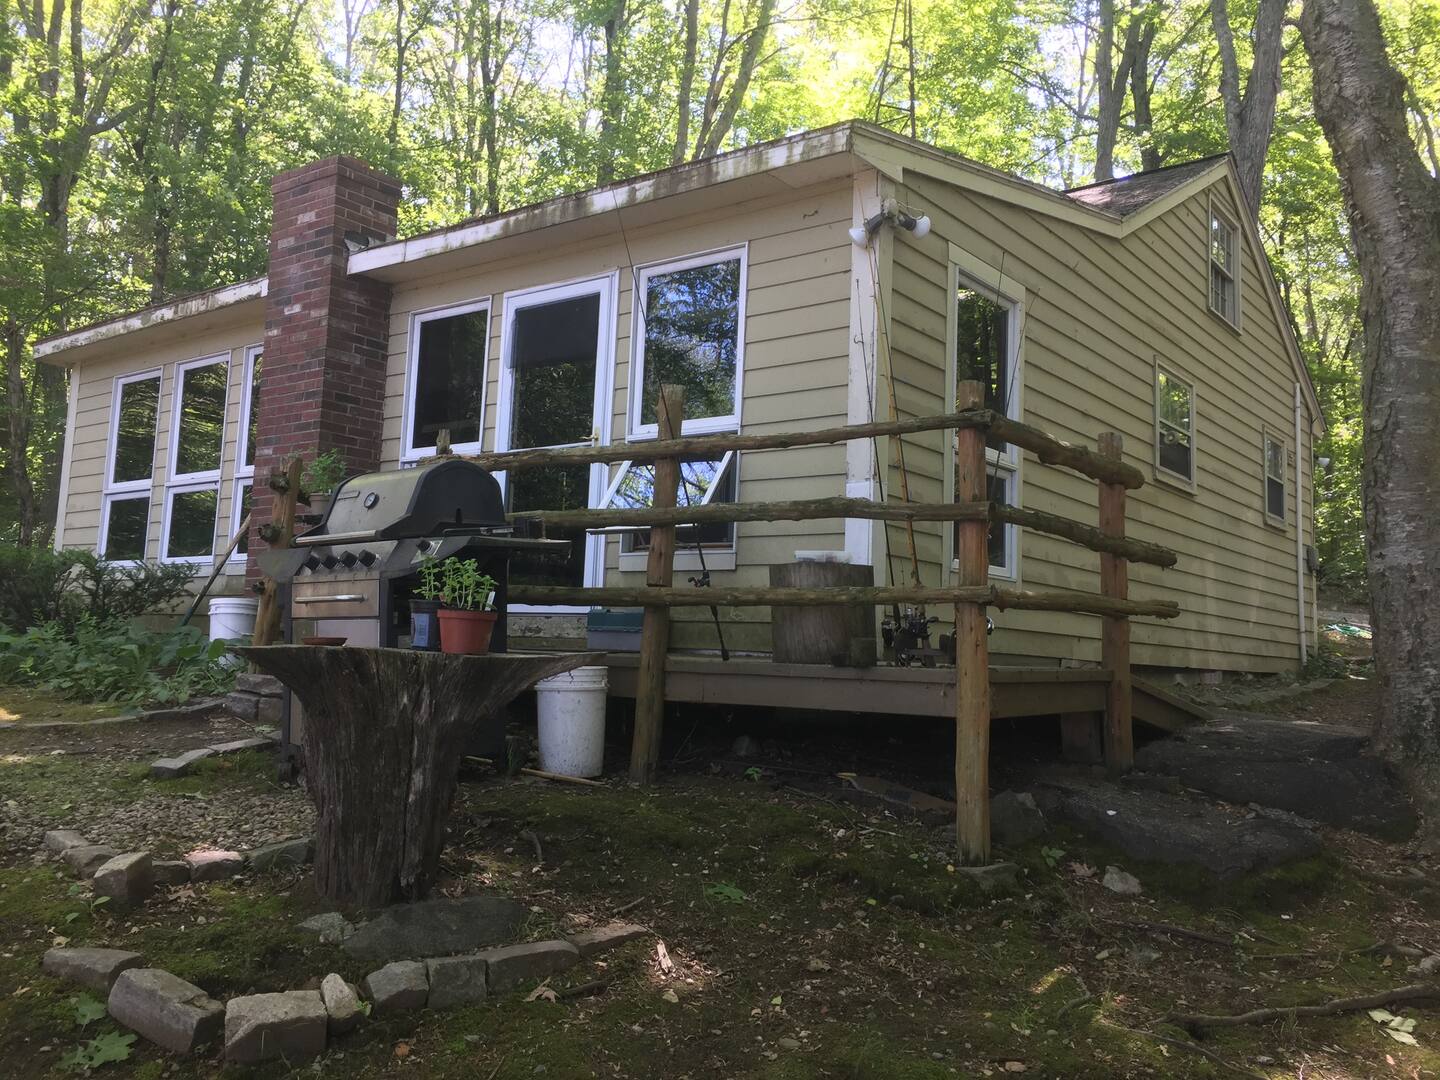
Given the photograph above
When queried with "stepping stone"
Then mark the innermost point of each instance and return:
(62, 840)
(242, 706)
(129, 880)
(604, 938)
(269, 710)
(239, 746)
(290, 1025)
(332, 927)
(441, 927)
(997, 877)
(511, 965)
(455, 980)
(256, 683)
(214, 865)
(167, 1010)
(86, 859)
(342, 1004)
(1015, 819)
(285, 853)
(94, 969)
(398, 987)
(171, 872)
(169, 768)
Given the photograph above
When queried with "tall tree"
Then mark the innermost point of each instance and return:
(1250, 111)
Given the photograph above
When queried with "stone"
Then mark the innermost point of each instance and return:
(239, 746)
(511, 965)
(290, 1025)
(269, 710)
(214, 865)
(342, 1004)
(94, 969)
(397, 987)
(241, 705)
(455, 980)
(1142, 956)
(170, 768)
(171, 871)
(62, 840)
(997, 877)
(167, 1010)
(787, 1043)
(604, 938)
(332, 927)
(257, 683)
(1015, 819)
(442, 927)
(1118, 881)
(129, 879)
(285, 853)
(86, 859)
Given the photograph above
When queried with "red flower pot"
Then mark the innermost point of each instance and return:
(466, 632)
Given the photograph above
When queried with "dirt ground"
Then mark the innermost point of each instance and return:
(810, 936)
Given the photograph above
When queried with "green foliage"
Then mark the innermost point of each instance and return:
(324, 473)
(32, 584)
(101, 1050)
(88, 1008)
(431, 583)
(464, 587)
(40, 586)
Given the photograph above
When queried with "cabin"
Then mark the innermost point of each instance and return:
(846, 275)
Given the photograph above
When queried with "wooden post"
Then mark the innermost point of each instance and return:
(972, 648)
(1082, 737)
(1115, 629)
(659, 572)
(285, 488)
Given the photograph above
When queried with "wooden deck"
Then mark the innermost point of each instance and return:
(895, 691)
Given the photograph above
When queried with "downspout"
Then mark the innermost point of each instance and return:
(1299, 532)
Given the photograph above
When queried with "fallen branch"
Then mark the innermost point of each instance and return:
(1074, 1003)
(1380, 948)
(1178, 931)
(540, 773)
(623, 908)
(588, 989)
(1210, 1055)
(534, 838)
(1412, 992)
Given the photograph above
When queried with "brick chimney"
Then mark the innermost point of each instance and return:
(326, 333)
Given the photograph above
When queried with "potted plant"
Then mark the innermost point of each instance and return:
(425, 607)
(468, 617)
(320, 479)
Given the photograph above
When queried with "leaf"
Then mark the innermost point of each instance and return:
(72, 916)
(1402, 1023)
(1381, 1016)
(100, 1050)
(718, 890)
(1401, 1036)
(87, 1009)
(542, 993)
(776, 1000)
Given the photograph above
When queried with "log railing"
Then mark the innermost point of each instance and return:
(970, 596)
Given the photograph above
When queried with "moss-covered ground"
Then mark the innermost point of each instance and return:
(808, 937)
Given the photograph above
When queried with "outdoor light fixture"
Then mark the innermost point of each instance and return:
(1324, 462)
(890, 213)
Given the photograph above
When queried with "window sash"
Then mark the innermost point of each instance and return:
(249, 411)
(635, 538)
(1009, 382)
(108, 502)
(1000, 478)
(1275, 485)
(167, 524)
(142, 484)
(1167, 381)
(1224, 268)
(177, 420)
(409, 451)
(242, 484)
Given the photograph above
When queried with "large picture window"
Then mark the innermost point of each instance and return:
(689, 330)
(130, 467)
(197, 438)
(1174, 427)
(445, 389)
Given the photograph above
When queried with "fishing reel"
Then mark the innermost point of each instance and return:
(907, 636)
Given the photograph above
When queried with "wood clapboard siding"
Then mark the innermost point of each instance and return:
(1100, 313)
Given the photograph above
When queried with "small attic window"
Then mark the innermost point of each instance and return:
(1224, 268)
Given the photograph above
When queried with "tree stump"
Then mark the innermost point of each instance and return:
(384, 734)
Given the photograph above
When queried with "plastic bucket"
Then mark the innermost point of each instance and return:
(572, 721)
(233, 617)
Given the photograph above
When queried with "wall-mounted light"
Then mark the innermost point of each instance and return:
(891, 214)
(1324, 462)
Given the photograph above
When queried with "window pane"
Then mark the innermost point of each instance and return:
(637, 489)
(1174, 401)
(1222, 245)
(553, 363)
(982, 350)
(202, 419)
(135, 433)
(691, 333)
(192, 524)
(555, 488)
(252, 435)
(450, 378)
(1175, 455)
(1275, 459)
(127, 529)
(997, 490)
(243, 493)
(1275, 498)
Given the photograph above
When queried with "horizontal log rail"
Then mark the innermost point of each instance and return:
(1083, 602)
(1053, 451)
(1141, 551)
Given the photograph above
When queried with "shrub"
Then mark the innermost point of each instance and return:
(41, 586)
(32, 584)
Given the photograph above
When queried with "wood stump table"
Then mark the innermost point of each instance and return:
(384, 733)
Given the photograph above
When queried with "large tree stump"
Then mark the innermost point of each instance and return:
(384, 733)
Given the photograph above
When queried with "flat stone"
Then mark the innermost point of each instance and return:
(455, 980)
(342, 1004)
(85, 860)
(62, 840)
(995, 878)
(129, 879)
(1118, 881)
(94, 969)
(269, 710)
(441, 927)
(239, 746)
(241, 705)
(171, 767)
(1015, 819)
(214, 865)
(256, 683)
(332, 927)
(285, 853)
(290, 1025)
(398, 987)
(167, 1010)
(192, 711)
(511, 965)
(171, 871)
(604, 938)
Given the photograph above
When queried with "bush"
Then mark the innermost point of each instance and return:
(42, 586)
(110, 591)
(32, 585)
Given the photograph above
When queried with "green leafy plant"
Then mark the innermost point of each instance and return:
(431, 583)
(729, 894)
(38, 586)
(464, 587)
(324, 472)
(88, 1009)
(32, 584)
(101, 1050)
(1052, 856)
(753, 774)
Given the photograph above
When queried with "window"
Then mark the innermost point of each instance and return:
(445, 387)
(239, 508)
(1274, 479)
(689, 326)
(1224, 269)
(701, 482)
(1174, 427)
(129, 468)
(245, 452)
(197, 436)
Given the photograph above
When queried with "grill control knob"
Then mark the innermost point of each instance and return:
(348, 558)
(367, 558)
(423, 545)
(312, 563)
(330, 562)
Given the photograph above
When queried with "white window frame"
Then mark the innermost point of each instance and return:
(640, 281)
(177, 483)
(244, 475)
(240, 483)
(1162, 474)
(717, 557)
(967, 271)
(127, 489)
(171, 491)
(1267, 436)
(410, 455)
(1211, 266)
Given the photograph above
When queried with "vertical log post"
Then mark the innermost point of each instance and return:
(659, 572)
(1115, 630)
(972, 648)
(285, 493)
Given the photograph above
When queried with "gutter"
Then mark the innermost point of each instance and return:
(1299, 531)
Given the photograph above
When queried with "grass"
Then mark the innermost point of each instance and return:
(19, 705)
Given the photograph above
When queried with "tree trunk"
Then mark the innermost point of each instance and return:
(384, 733)
(1394, 211)
(1250, 115)
(612, 94)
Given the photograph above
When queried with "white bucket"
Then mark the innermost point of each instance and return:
(233, 617)
(572, 721)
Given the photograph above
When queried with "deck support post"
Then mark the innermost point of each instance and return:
(280, 533)
(972, 647)
(659, 573)
(1115, 630)
(1082, 738)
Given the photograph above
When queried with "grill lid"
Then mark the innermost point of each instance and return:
(430, 500)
